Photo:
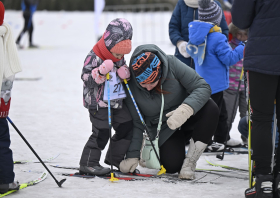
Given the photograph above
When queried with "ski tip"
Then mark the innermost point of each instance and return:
(56, 155)
(43, 175)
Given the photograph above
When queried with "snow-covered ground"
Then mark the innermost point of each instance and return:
(50, 114)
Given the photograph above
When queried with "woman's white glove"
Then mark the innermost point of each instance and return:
(179, 116)
(129, 165)
(182, 46)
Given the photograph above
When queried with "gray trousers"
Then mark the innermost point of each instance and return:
(229, 97)
(121, 122)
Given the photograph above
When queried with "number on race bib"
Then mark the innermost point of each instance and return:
(116, 87)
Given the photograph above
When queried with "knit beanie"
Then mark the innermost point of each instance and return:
(209, 11)
(118, 35)
(146, 68)
(123, 47)
(2, 11)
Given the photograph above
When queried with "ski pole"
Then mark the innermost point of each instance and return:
(249, 146)
(58, 183)
(249, 134)
(110, 126)
(221, 157)
(163, 170)
(273, 137)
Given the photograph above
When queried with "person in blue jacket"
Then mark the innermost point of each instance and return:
(212, 56)
(185, 12)
(28, 7)
(261, 61)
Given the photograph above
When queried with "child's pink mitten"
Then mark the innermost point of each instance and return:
(106, 67)
(123, 72)
(97, 77)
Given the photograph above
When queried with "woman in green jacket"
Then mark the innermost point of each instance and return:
(188, 110)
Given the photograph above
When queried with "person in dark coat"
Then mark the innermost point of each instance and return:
(185, 12)
(28, 7)
(261, 61)
(158, 78)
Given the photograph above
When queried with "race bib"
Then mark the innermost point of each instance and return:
(116, 87)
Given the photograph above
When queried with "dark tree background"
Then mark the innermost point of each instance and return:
(82, 5)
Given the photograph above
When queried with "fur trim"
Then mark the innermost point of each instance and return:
(191, 3)
(234, 30)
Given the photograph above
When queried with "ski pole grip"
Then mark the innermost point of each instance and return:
(108, 76)
(125, 81)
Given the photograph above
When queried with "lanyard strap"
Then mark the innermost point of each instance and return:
(161, 112)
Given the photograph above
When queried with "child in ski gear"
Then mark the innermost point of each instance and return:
(28, 7)
(9, 66)
(107, 56)
(185, 12)
(231, 93)
(261, 61)
(212, 56)
(187, 110)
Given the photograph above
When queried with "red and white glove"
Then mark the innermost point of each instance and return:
(124, 72)
(4, 108)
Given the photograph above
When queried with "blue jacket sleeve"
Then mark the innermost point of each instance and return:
(223, 23)
(175, 25)
(243, 13)
(226, 55)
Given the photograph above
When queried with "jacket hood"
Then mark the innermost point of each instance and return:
(198, 30)
(191, 3)
(157, 51)
(118, 30)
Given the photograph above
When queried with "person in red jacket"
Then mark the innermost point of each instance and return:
(9, 66)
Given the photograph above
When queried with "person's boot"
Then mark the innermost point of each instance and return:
(234, 143)
(263, 187)
(276, 187)
(7, 187)
(94, 170)
(194, 152)
(33, 46)
(19, 46)
(215, 147)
